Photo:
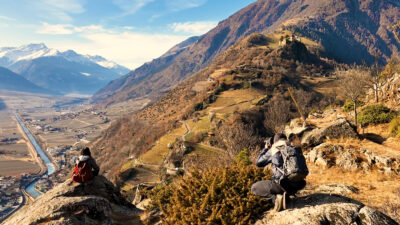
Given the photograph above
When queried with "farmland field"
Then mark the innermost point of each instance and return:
(15, 157)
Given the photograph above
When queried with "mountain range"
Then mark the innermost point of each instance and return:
(364, 26)
(14, 82)
(63, 72)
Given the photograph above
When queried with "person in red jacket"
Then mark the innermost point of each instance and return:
(86, 167)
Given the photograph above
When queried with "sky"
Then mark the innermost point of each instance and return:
(129, 32)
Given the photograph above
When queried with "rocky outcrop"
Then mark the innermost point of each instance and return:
(320, 209)
(340, 128)
(96, 202)
(297, 127)
(349, 158)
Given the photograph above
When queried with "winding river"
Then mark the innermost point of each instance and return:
(50, 167)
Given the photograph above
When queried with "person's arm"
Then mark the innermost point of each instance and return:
(95, 167)
(264, 158)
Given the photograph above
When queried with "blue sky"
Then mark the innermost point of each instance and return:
(130, 32)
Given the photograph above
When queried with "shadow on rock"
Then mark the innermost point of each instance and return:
(319, 199)
(317, 209)
(95, 202)
(374, 138)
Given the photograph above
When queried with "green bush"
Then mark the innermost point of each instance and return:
(394, 127)
(375, 114)
(349, 105)
(213, 196)
(243, 158)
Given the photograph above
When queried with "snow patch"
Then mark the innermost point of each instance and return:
(86, 74)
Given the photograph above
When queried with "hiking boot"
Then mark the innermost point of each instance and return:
(278, 203)
(285, 199)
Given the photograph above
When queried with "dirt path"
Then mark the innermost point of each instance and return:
(187, 130)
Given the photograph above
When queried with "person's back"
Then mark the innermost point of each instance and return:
(277, 188)
(86, 167)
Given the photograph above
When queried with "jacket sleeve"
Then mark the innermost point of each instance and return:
(95, 167)
(264, 158)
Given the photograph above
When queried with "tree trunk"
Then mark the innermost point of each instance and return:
(355, 115)
(376, 93)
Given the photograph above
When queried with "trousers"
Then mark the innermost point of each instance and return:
(269, 189)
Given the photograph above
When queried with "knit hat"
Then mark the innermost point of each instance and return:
(279, 136)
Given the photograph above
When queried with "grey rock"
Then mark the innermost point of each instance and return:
(337, 189)
(96, 202)
(297, 127)
(320, 209)
(340, 128)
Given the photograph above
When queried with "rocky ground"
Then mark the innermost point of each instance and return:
(96, 202)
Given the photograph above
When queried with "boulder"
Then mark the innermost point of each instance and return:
(351, 158)
(95, 202)
(297, 127)
(320, 209)
(339, 128)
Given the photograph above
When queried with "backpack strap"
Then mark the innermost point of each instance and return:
(284, 157)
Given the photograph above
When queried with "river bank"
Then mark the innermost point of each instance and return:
(49, 166)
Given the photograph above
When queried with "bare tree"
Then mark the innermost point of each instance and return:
(376, 81)
(238, 137)
(396, 29)
(277, 114)
(353, 83)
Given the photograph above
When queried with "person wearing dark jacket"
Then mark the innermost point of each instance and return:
(277, 188)
(86, 157)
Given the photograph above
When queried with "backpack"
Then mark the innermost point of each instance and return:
(81, 172)
(294, 164)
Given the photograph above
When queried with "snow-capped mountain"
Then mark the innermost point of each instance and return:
(66, 72)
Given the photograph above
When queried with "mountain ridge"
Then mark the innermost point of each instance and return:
(48, 68)
(365, 32)
(14, 82)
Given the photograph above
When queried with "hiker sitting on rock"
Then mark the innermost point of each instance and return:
(85, 168)
(289, 171)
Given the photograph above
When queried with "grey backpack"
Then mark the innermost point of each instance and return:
(294, 164)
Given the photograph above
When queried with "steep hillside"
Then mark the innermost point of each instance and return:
(364, 26)
(243, 82)
(14, 82)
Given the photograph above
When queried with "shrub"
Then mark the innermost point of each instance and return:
(212, 196)
(198, 106)
(243, 158)
(375, 114)
(349, 105)
(394, 127)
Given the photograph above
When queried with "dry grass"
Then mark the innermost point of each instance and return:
(376, 189)
(230, 101)
(160, 149)
(203, 124)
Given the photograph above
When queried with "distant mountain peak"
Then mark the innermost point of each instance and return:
(66, 71)
(35, 46)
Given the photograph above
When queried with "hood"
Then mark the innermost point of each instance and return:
(83, 158)
(275, 146)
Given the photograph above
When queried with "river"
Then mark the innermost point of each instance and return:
(50, 167)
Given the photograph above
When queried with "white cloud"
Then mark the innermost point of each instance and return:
(194, 28)
(58, 9)
(131, 6)
(70, 6)
(6, 18)
(62, 29)
(178, 5)
(127, 48)
(56, 29)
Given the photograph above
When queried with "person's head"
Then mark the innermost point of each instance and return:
(268, 142)
(279, 136)
(86, 151)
